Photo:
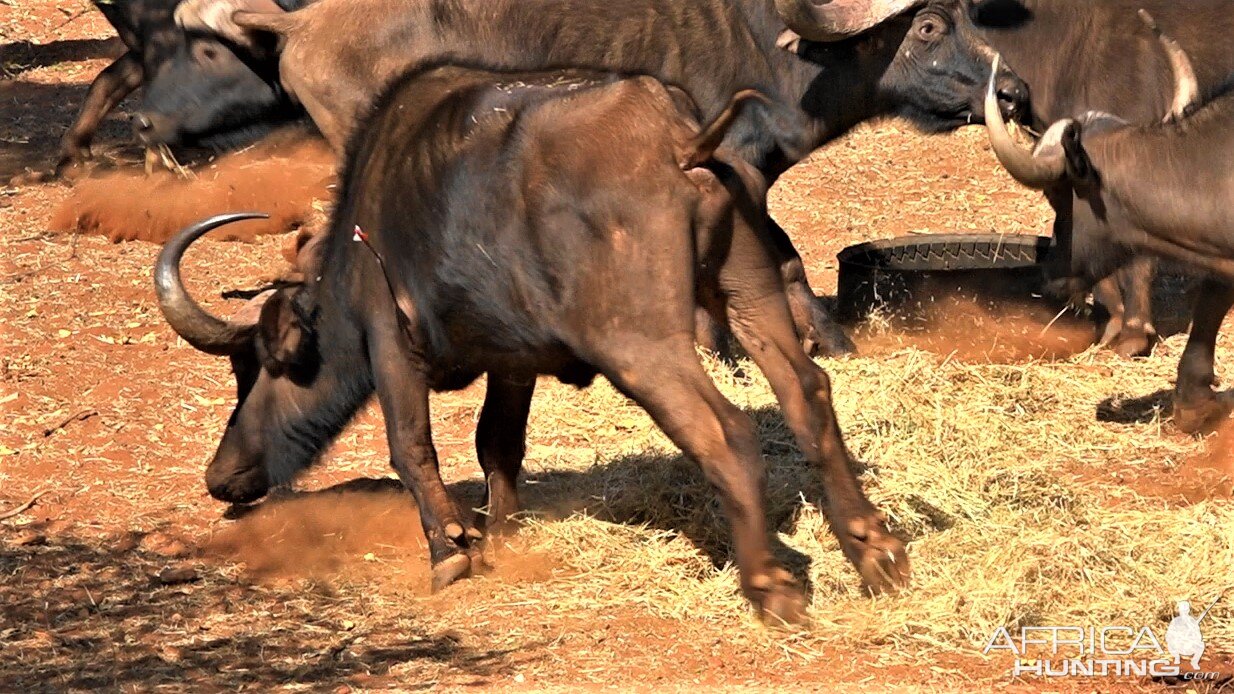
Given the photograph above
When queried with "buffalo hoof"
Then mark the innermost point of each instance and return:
(28, 178)
(453, 568)
(1135, 346)
(473, 546)
(777, 597)
(1131, 342)
(70, 166)
(1110, 333)
(504, 525)
(1205, 415)
(479, 563)
(879, 556)
(73, 150)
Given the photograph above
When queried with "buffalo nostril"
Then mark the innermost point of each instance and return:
(1010, 99)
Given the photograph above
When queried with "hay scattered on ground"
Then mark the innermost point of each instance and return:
(975, 330)
(988, 468)
(1031, 492)
(1027, 503)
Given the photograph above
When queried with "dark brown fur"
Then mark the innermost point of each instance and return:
(543, 223)
(1097, 55)
(334, 64)
(1167, 190)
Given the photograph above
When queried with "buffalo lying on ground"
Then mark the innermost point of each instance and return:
(881, 59)
(240, 99)
(1165, 189)
(510, 224)
(1096, 56)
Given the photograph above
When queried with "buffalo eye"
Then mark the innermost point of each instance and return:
(208, 54)
(930, 29)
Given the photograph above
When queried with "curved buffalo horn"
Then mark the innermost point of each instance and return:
(198, 327)
(215, 17)
(1186, 86)
(1035, 169)
(833, 20)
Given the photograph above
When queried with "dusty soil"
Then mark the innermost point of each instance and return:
(124, 574)
(280, 177)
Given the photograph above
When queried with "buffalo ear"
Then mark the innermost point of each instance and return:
(284, 332)
(1080, 168)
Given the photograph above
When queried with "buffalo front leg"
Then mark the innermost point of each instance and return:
(759, 316)
(500, 444)
(818, 331)
(115, 82)
(403, 392)
(665, 377)
(1108, 295)
(1135, 282)
(1196, 405)
(1127, 296)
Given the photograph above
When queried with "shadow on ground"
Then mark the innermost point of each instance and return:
(662, 490)
(81, 612)
(1136, 410)
(87, 609)
(22, 56)
(37, 115)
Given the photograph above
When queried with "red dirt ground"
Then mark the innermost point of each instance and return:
(124, 574)
(280, 176)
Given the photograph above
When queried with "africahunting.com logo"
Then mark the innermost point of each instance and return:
(1074, 651)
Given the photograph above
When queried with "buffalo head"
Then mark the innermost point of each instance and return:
(294, 392)
(209, 91)
(931, 61)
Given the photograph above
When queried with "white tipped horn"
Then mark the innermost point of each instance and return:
(1186, 86)
(1033, 169)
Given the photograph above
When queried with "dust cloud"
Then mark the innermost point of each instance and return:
(973, 330)
(365, 530)
(281, 176)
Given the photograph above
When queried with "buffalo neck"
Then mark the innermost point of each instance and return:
(826, 95)
(1174, 181)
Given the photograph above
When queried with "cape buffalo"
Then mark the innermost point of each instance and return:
(1095, 56)
(1166, 189)
(883, 58)
(238, 98)
(510, 223)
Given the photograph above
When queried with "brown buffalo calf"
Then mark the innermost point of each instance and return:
(562, 223)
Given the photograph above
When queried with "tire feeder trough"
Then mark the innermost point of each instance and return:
(904, 277)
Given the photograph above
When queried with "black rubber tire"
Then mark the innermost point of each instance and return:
(907, 273)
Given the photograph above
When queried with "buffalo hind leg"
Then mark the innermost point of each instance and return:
(403, 392)
(1196, 405)
(759, 317)
(817, 329)
(500, 445)
(666, 379)
(115, 82)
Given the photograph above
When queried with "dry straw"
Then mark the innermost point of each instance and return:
(1003, 476)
